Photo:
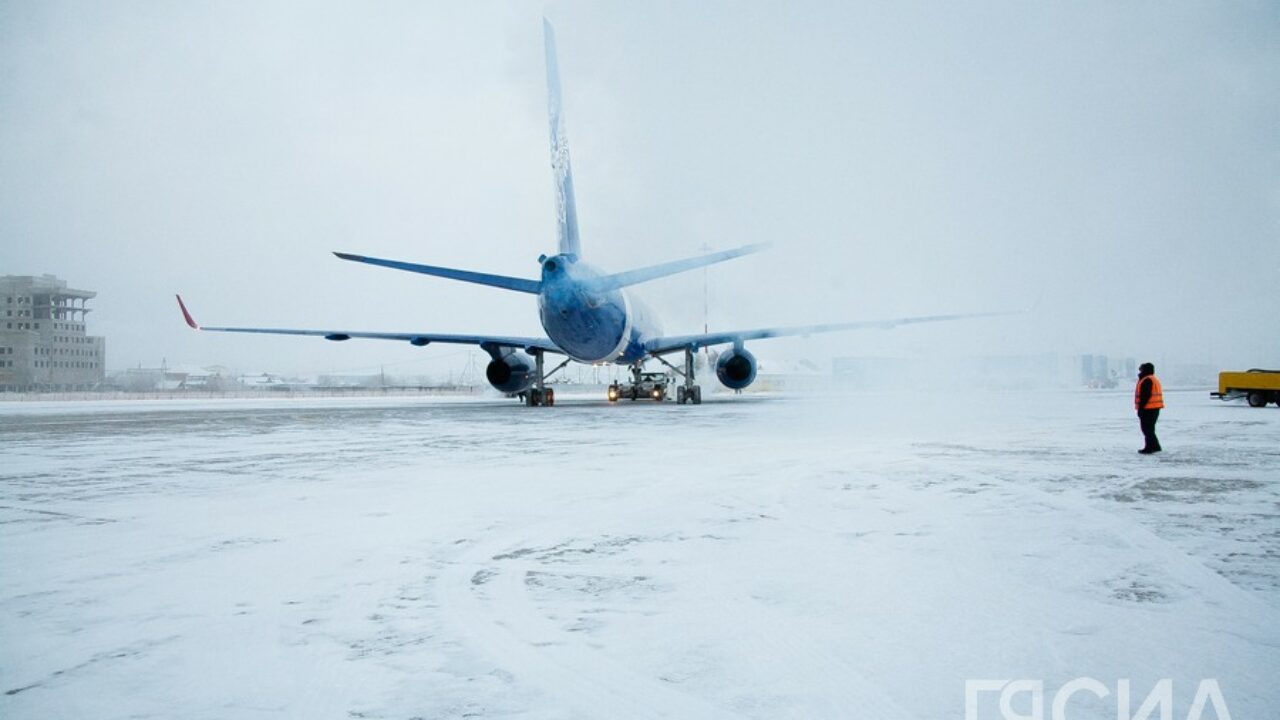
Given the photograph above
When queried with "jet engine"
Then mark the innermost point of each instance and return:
(511, 373)
(736, 368)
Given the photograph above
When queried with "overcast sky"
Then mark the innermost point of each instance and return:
(1116, 165)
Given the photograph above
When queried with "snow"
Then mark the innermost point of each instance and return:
(859, 555)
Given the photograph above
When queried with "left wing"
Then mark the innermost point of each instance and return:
(419, 339)
(660, 346)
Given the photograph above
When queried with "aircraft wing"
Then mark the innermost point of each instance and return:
(415, 338)
(660, 346)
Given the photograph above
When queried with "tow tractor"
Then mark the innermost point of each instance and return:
(1256, 386)
(655, 384)
(651, 385)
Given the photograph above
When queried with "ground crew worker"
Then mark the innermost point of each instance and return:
(1148, 398)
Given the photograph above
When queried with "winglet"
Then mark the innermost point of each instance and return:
(186, 314)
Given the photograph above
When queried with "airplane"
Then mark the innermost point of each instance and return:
(587, 314)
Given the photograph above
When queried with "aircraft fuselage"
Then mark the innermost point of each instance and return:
(591, 325)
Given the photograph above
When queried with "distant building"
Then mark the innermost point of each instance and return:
(1101, 371)
(43, 345)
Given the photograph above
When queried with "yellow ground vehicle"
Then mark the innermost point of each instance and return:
(1259, 387)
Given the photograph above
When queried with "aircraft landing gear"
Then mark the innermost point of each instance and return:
(540, 395)
(689, 392)
(544, 398)
(692, 395)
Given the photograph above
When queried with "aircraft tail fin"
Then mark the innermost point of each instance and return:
(566, 208)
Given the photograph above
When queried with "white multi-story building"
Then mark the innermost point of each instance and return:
(43, 344)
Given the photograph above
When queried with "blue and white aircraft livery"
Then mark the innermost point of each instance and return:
(587, 313)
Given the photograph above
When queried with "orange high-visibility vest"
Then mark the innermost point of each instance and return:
(1156, 400)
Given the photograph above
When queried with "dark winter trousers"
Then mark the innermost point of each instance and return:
(1147, 420)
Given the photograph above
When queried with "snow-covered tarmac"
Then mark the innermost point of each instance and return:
(754, 557)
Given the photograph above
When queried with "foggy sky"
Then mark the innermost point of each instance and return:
(1116, 166)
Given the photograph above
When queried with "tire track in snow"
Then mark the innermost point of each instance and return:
(508, 630)
(486, 602)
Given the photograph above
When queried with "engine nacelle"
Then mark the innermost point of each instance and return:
(511, 373)
(736, 368)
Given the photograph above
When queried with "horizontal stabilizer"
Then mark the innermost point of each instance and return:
(500, 281)
(653, 272)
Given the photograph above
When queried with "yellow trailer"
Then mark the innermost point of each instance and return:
(1259, 387)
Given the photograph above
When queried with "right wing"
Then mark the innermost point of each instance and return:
(418, 339)
(659, 346)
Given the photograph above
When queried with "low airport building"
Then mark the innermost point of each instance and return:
(43, 342)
